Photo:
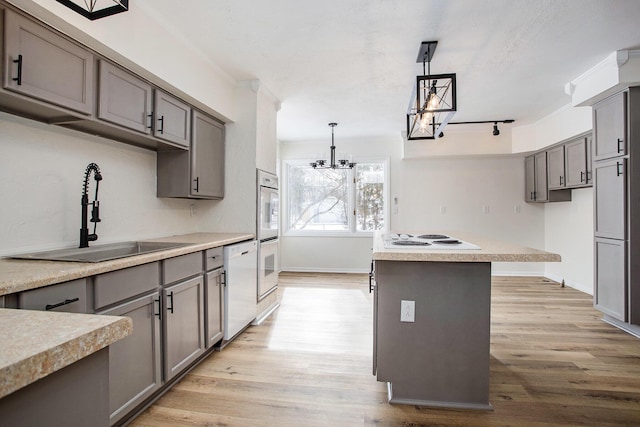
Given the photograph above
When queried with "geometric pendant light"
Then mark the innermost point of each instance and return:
(433, 100)
(96, 9)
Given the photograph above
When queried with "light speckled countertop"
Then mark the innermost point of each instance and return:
(35, 344)
(490, 251)
(19, 275)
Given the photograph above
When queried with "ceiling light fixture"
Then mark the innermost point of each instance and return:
(342, 163)
(433, 100)
(96, 9)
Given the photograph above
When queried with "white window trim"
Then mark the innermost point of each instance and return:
(352, 233)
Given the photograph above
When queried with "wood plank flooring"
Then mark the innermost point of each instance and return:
(553, 363)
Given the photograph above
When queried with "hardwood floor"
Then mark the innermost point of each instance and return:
(553, 362)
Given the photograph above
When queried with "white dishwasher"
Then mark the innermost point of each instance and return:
(241, 287)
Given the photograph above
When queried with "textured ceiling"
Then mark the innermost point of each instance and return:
(354, 61)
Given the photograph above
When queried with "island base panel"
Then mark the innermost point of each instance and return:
(442, 358)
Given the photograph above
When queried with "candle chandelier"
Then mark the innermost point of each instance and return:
(96, 9)
(433, 101)
(341, 164)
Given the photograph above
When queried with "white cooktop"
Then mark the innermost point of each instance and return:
(425, 241)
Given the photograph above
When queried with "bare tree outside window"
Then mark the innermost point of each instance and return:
(336, 200)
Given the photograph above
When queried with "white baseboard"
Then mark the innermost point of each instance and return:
(324, 270)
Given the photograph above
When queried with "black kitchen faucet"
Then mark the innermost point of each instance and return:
(85, 237)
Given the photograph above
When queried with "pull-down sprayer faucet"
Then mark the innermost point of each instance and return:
(85, 237)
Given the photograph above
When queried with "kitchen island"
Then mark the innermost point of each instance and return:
(432, 315)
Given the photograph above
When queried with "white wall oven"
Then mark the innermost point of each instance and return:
(268, 231)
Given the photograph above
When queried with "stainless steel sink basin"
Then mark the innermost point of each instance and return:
(100, 253)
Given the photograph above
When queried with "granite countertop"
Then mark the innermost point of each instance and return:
(490, 251)
(19, 275)
(37, 343)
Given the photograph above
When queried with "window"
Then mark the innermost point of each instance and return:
(336, 201)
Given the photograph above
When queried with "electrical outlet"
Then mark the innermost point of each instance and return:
(516, 209)
(485, 209)
(443, 209)
(192, 210)
(407, 311)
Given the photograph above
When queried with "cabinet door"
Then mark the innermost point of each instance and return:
(610, 293)
(529, 179)
(610, 198)
(576, 163)
(214, 309)
(134, 362)
(207, 157)
(124, 99)
(609, 122)
(172, 119)
(183, 325)
(540, 194)
(589, 142)
(44, 65)
(555, 168)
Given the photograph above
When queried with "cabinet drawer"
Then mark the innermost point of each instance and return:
(213, 258)
(123, 284)
(182, 267)
(69, 296)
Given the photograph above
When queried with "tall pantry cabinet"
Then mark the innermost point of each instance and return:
(616, 170)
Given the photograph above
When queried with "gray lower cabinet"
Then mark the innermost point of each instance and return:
(172, 119)
(214, 307)
(198, 173)
(610, 198)
(610, 127)
(183, 324)
(135, 369)
(124, 99)
(610, 295)
(70, 297)
(42, 64)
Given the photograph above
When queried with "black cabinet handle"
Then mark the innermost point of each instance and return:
(154, 311)
(170, 307)
(618, 171)
(161, 120)
(371, 286)
(223, 279)
(582, 176)
(18, 79)
(561, 179)
(197, 180)
(60, 304)
(150, 116)
(620, 149)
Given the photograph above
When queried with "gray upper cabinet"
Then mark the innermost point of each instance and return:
(207, 157)
(172, 119)
(529, 179)
(124, 99)
(610, 198)
(576, 171)
(609, 121)
(536, 178)
(44, 65)
(198, 173)
(555, 169)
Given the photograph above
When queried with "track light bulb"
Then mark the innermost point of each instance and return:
(496, 131)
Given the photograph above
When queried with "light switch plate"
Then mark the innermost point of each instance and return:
(407, 311)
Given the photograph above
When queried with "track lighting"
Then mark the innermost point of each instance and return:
(496, 131)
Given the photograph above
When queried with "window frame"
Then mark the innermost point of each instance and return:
(351, 220)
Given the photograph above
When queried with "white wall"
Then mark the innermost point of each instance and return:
(569, 232)
(463, 185)
(41, 175)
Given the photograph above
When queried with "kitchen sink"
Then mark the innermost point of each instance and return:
(99, 253)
